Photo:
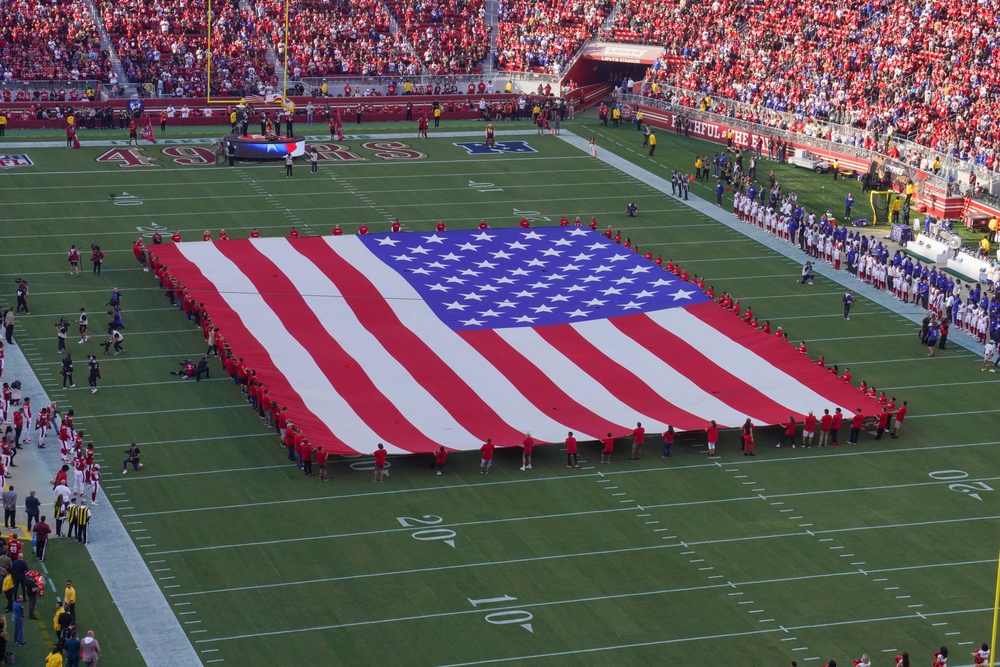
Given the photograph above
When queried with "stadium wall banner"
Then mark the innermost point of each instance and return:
(636, 54)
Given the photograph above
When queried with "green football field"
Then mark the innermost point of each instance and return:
(797, 554)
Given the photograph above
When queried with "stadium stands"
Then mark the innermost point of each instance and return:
(448, 37)
(163, 44)
(543, 36)
(49, 41)
(932, 77)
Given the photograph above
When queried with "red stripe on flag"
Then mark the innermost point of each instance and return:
(786, 358)
(245, 344)
(536, 386)
(346, 377)
(427, 369)
(619, 381)
(683, 357)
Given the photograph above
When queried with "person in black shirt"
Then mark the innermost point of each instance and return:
(67, 370)
(95, 373)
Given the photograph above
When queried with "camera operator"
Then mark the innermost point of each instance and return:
(22, 295)
(115, 339)
(62, 330)
(114, 321)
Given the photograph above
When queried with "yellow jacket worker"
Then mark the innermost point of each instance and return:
(652, 143)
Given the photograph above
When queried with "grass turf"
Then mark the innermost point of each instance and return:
(796, 554)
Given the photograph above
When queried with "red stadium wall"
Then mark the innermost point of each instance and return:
(376, 109)
(934, 200)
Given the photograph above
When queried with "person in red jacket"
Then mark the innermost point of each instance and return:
(712, 434)
(789, 432)
(440, 226)
(835, 424)
(439, 460)
(609, 448)
(379, 474)
(486, 456)
(856, 423)
(883, 422)
(668, 441)
(900, 415)
(396, 226)
(638, 436)
(808, 430)
(571, 452)
(363, 229)
(307, 458)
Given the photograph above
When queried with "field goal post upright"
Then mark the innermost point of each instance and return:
(208, 84)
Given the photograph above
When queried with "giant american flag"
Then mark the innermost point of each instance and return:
(420, 340)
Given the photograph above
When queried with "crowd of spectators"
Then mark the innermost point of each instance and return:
(163, 46)
(327, 39)
(449, 38)
(49, 41)
(892, 68)
(543, 36)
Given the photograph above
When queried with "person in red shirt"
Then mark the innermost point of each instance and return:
(380, 453)
(856, 423)
(483, 225)
(254, 234)
(883, 422)
(363, 229)
(638, 435)
(766, 328)
(668, 441)
(847, 377)
(571, 455)
(712, 434)
(324, 475)
(307, 458)
(440, 226)
(439, 460)
(835, 424)
(176, 236)
(608, 233)
(808, 430)
(609, 448)
(802, 346)
(223, 236)
(824, 428)
(593, 223)
(748, 315)
(396, 226)
(900, 416)
(486, 456)
(337, 231)
(789, 432)
(294, 234)
(139, 250)
(525, 223)
(528, 445)
(564, 221)
(206, 236)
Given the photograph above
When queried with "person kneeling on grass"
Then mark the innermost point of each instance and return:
(631, 209)
(115, 339)
(132, 456)
(188, 370)
(807, 274)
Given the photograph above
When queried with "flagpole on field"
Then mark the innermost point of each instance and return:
(996, 613)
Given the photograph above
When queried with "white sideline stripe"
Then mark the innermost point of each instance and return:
(481, 376)
(157, 633)
(263, 324)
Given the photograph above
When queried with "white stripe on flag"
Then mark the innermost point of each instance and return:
(289, 357)
(481, 376)
(577, 384)
(743, 363)
(388, 375)
(675, 387)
